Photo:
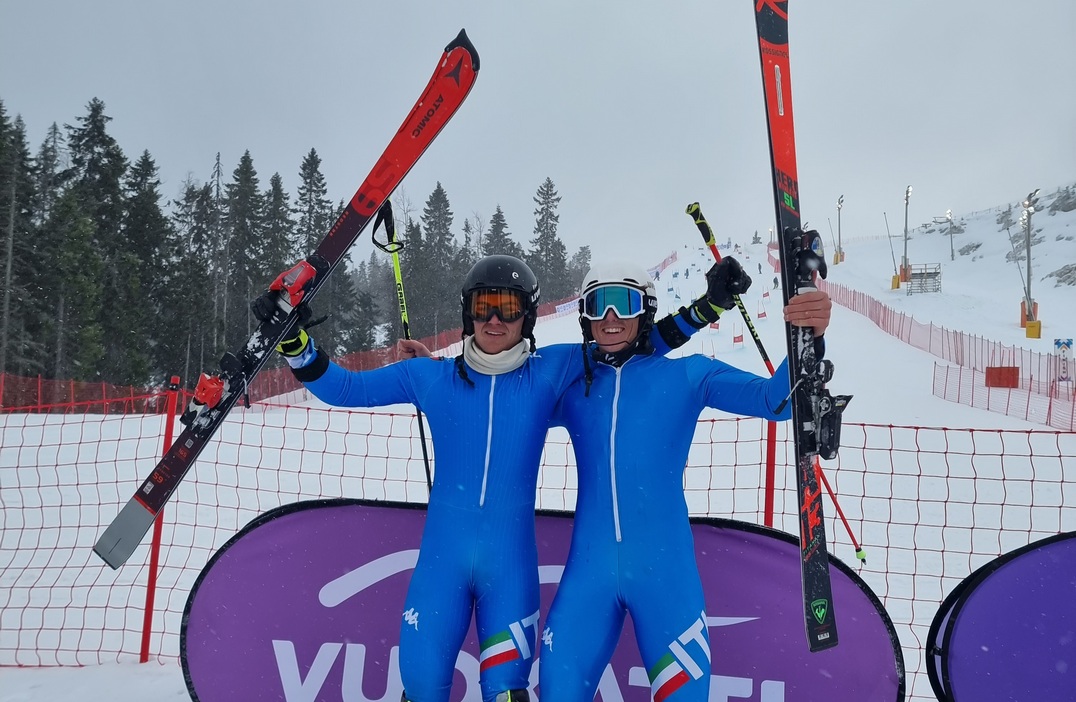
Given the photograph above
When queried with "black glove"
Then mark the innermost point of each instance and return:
(725, 280)
(267, 305)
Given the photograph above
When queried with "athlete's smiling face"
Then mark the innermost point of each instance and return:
(495, 336)
(498, 315)
(612, 333)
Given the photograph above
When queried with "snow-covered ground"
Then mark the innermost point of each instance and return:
(891, 382)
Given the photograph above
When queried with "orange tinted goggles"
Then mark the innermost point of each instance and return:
(506, 304)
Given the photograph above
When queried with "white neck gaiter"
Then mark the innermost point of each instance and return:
(495, 364)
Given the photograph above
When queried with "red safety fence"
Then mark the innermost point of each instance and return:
(959, 348)
(1044, 393)
(1055, 408)
(38, 394)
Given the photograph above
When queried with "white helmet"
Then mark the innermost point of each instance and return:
(617, 274)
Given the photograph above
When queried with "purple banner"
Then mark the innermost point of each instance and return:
(1008, 631)
(304, 605)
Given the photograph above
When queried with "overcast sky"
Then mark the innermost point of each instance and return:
(634, 108)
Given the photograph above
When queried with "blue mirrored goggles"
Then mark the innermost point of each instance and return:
(624, 301)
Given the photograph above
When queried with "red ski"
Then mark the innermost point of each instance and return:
(448, 88)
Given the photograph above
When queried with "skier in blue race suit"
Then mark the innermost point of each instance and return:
(631, 420)
(488, 412)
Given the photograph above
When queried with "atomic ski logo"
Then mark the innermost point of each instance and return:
(428, 116)
(454, 74)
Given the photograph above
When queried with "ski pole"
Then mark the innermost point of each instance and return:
(708, 236)
(393, 247)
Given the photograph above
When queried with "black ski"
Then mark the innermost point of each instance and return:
(448, 88)
(816, 414)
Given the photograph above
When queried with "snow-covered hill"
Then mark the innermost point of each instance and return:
(890, 381)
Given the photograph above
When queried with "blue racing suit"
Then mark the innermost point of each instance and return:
(632, 549)
(478, 548)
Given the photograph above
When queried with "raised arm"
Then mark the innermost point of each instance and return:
(724, 280)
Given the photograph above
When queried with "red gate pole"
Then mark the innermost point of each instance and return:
(771, 472)
(155, 545)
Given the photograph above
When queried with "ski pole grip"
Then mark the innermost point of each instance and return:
(384, 216)
(704, 229)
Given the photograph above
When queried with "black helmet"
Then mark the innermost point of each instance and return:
(504, 272)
